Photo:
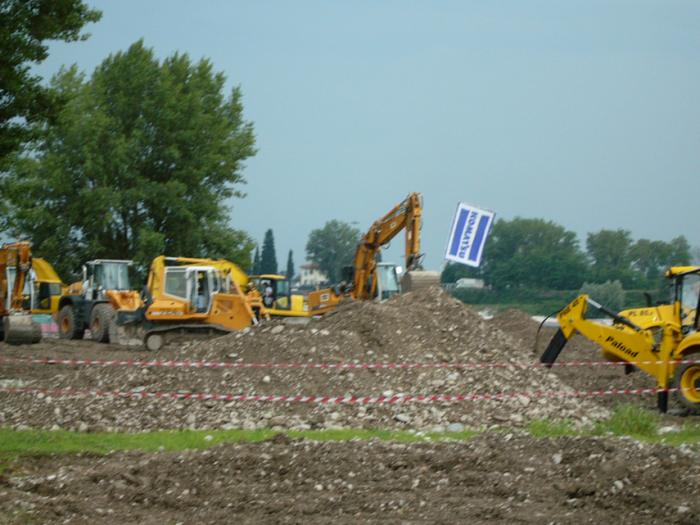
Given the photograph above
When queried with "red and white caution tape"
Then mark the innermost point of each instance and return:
(187, 364)
(331, 400)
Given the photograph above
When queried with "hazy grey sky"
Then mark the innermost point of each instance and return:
(582, 112)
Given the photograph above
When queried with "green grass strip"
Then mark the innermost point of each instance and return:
(630, 421)
(18, 442)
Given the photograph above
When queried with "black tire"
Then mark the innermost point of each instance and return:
(687, 380)
(100, 319)
(67, 328)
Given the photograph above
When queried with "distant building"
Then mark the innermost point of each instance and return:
(311, 275)
(466, 282)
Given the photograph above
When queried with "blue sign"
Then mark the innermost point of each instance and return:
(470, 228)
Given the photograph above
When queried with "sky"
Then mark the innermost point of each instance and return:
(584, 112)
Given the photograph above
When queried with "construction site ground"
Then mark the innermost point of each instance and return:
(504, 474)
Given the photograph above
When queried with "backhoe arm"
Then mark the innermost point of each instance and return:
(623, 341)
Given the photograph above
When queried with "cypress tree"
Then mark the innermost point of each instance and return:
(268, 258)
(290, 266)
(256, 262)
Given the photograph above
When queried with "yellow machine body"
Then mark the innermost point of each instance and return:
(371, 279)
(282, 303)
(652, 339)
(186, 296)
(16, 323)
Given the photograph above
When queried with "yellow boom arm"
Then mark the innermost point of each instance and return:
(405, 215)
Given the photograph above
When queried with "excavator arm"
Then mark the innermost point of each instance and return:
(404, 216)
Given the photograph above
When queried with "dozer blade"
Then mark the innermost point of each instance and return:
(21, 329)
(553, 349)
(419, 279)
(126, 335)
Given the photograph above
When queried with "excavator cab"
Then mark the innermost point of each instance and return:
(387, 281)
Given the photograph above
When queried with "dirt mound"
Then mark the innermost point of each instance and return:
(518, 324)
(420, 327)
(492, 478)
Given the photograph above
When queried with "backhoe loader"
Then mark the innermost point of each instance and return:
(184, 298)
(91, 302)
(16, 323)
(662, 340)
(369, 279)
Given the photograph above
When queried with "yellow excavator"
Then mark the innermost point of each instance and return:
(369, 279)
(16, 324)
(185, 297)
(662, 340)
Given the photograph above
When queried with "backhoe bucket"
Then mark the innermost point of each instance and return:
(418, 280)
(553, 349)
(21, 329)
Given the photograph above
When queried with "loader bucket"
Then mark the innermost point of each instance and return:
(553, 349)
(21, 329)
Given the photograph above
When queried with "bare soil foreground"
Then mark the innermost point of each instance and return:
(503, 475)
(490, 479)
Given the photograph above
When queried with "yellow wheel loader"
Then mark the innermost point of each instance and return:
(91, 302)
(16, 324)
(184, 298)
(661, 340)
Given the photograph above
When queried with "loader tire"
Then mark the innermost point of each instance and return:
(100, 319)
(67, 328)
(687, 382)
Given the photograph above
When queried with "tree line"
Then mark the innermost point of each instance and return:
(536, 253)
(139, 158)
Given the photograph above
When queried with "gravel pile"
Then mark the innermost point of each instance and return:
(421, 327)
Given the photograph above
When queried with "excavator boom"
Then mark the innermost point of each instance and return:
(404, 216)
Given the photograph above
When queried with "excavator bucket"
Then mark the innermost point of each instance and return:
(419, 279)
(556, 345)
(21, 329)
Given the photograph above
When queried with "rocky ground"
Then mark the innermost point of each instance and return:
(493, 478)
(501, 476)
(430, 327)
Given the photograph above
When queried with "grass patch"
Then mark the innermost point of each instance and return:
(632, 421)
(627, 420)
(14, 443)
(544, 428)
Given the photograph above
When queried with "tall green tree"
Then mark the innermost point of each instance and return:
(290, 265)
(256, 262)
(140, 161)
(679, 252)
(268, 258)
(610, 254)
(533, 253)
(25, 28)
(333, 247)
(649, 259)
